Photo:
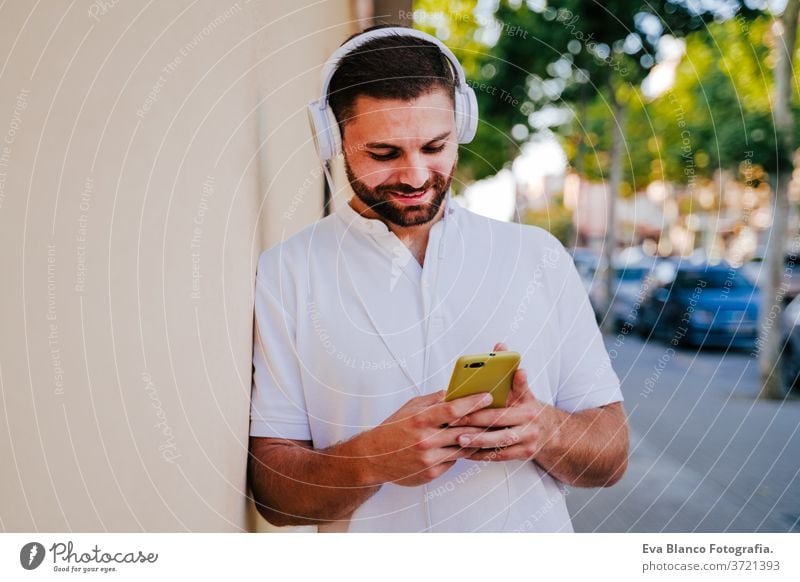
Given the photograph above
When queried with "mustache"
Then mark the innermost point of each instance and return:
(406, 189)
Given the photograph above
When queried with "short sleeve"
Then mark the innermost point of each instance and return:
(586, 377)
(277, 405)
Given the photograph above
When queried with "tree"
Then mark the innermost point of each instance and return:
(554, 218)
(733, 98)
(554, 63)
(785, 44)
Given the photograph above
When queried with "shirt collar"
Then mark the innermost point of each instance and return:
(375, 226)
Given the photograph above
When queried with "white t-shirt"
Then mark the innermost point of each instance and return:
(349, 327)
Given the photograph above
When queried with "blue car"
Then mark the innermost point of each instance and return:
(700, 304)
(633, 280)
(790, 348)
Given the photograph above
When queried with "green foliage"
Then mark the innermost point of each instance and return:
(457, 23)
(556, 219)
(588, 145)
(563, 66)
(718, 113)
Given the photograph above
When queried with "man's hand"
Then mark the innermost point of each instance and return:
(518, 431)
(416, 444)
(295, 484)
(586, 449)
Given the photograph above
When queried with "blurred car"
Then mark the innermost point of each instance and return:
(790, 355)
(586, 262)
(702, 305)
(632, 282)
(755, 271)
(632, 268)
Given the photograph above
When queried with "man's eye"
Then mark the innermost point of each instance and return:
(384, 157)
(393, 155)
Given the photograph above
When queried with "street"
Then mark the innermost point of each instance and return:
(705, 455)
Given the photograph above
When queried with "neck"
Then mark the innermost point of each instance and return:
(414, 237)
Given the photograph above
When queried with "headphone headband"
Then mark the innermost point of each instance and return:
(329, 69)
(324, 126)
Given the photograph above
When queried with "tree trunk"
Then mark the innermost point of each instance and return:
(770, 341)
(614, 184)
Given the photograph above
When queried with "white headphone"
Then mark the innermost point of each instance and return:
(325, 129)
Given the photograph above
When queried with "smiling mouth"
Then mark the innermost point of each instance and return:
(404, 195)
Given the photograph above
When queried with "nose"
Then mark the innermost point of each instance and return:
(413, 171)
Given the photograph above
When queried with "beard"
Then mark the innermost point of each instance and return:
(379, 199)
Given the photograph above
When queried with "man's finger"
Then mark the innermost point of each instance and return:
(449, 455)
(423, 403)
(448, 437)
(517, 452)
(519, 388)
(447, 412)
(491, 439)
(500, 347)
(432, 398)
(493, 417)
(453, 454)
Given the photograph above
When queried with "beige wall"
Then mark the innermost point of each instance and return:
(130, 229)
(291, 52)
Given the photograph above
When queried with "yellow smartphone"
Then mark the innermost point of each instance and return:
(492, 372)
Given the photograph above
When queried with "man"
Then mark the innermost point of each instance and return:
(361, 317)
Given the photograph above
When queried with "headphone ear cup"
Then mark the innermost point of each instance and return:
(325, 131)
(466, 113)
(334, 134)
(316, 123)
(460, 105)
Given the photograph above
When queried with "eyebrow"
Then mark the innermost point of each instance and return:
(383, 145)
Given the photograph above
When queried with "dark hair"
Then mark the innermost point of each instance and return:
(390, 67)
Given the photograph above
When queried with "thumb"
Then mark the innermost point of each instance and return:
(519, 388)
(500, 347)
